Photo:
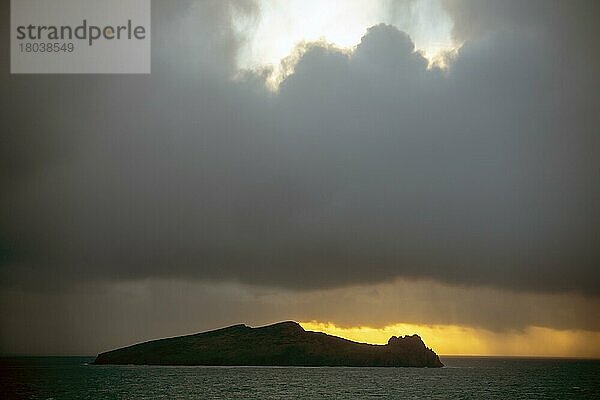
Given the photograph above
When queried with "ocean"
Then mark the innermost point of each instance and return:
(462, 378)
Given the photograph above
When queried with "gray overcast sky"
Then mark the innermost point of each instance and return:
(363, 168)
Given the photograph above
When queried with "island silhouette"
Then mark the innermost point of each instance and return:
(280, 344)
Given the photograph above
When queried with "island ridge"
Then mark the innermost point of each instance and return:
(280, 344)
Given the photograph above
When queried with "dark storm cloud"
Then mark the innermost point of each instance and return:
(364, 167)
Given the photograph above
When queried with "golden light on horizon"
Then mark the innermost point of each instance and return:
(463, 340)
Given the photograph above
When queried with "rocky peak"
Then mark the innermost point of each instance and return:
(414, 341)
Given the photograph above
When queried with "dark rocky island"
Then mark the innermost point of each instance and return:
(281, 344)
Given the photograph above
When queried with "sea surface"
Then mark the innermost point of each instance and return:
(462, 378)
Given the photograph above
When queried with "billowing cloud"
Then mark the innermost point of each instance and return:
(363, 167)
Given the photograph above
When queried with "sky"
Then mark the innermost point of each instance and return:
(368, 169)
